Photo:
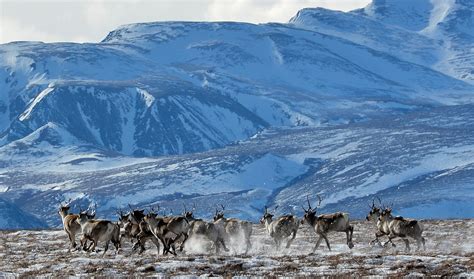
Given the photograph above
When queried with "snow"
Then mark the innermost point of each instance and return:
(44, 253)
(441, 9)
(443, 209)
(25, 115)
(329, 103)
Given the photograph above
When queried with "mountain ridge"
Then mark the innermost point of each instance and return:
(146, 113)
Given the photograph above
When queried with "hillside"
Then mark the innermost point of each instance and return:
(377, 101)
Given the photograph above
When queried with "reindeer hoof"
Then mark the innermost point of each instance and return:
(351, 245)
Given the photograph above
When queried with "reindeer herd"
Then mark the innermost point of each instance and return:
(173, 232)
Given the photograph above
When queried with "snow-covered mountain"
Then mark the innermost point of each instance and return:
(245, 114)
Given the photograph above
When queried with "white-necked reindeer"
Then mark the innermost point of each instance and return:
(325, 223)
(373, 217)
(70, 223)
(234, 228)
(400, 227)
(280, 228)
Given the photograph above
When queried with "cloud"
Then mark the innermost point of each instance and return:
(91, 20)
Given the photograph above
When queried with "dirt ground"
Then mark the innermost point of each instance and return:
(449, 252)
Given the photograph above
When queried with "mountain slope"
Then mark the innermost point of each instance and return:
(448, 21)
(373, 102)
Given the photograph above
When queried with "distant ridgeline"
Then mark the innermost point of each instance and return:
(349, 105)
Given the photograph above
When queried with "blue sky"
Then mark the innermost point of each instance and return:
(91, 20)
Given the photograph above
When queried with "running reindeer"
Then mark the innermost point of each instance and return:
(398, 226)
(325, 223)
(135, 228)
(373, 217)
(281, 228)
(70, 223)
(98, 230)
(234, 228)
(168, 229)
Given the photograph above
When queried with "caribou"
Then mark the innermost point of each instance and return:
(373, 217)
(281, 228)
(136, 229)
(168, 230)
(400, 227)
(98, 230)
(233, 228)
(209, 230)
(325, 223)
(70, 224)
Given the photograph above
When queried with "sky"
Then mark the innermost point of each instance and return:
(91, 20)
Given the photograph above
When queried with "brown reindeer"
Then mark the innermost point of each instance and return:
(99, 230)
(70, 223)
(234, 228)
(401, 227)
(281, 228)
(136, 229)
(167, 229)
(325, 223)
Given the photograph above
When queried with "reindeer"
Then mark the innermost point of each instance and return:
(210, 231)
(136, 229)
(373, 216)
(167, 229)
(325, 223)
(98, 230)
(400, 227)
(70, 224)
(234, 228)
(281, 228)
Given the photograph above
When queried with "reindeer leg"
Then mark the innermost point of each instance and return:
(407, 244)
(72, 240)
(92, 246)
(157, 244)
(181, 247)
(277, 243)
(377, 240)
(349, 231)
(317, 244)
(327, 241)
(291, 239)
(221, 240)
(141, 242)
(390, 237)
(117, 245)
(106, 247)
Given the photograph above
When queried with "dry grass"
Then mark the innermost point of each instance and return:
(449, 253)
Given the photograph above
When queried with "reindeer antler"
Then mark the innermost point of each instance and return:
(380, 202)
(223, 208)
(319, 200)
(373, 204)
